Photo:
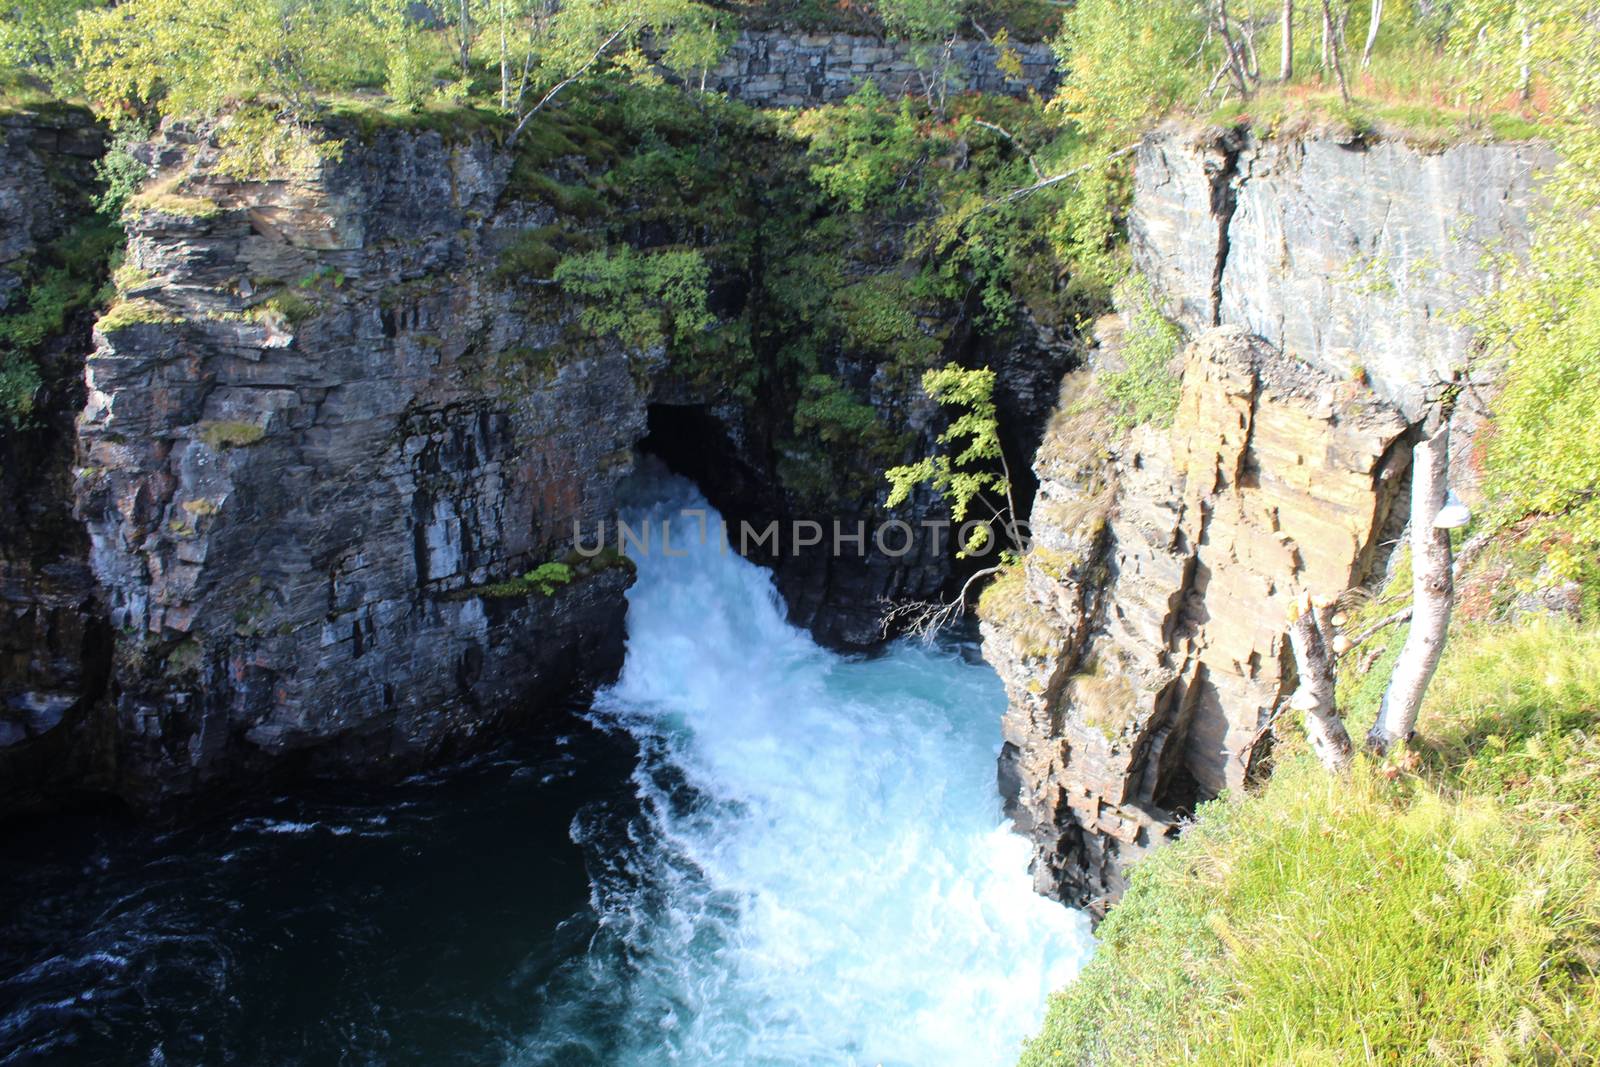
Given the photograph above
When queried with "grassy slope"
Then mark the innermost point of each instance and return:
(1413, 94)
(1445, 909)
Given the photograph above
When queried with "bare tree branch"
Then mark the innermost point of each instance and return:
(1054, 179)
(1003, 132)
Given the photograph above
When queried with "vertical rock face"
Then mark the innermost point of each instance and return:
(1349, 255)
(1142, 643)
(324, 436)
(1143, 640)
(318, 448)
(54, 645)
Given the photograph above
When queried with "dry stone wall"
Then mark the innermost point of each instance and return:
(775, 69)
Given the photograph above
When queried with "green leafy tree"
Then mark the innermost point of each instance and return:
(868, 150)
(560, 44)
(269, 66)
(971, 471)
(1544, 457)
(644, 299)
(1147, 388)
(195, 58)
(1126, 61)
(934, 28)
(921, 20)
(35, 36)
(971, 475)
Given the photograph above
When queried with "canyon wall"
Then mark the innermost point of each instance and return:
(1354, 256)
(319, 448)
(1143, 642)
(770, 68)
(328, 425)
(55, 646)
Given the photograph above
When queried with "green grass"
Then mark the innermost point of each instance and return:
(1306, 109)
(176, 205)
(1517, 715)
(1449, 913)
(549, 577)
(365, 116)
(1411, 91)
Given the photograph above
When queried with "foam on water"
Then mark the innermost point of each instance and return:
(821, 874)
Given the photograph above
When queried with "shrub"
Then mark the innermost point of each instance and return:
(644, 299)
(1147, 389)
(134, 312)
(66, 280)
(224, 434)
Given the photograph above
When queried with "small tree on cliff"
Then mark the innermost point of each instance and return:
(971, 474)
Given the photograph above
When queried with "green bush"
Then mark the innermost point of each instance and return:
(1148, 387)
(67, 278)
(643, 299)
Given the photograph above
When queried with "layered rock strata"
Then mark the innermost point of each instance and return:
(1142, 641)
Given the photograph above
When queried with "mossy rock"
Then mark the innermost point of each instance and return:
(136, 312)
(222, 434)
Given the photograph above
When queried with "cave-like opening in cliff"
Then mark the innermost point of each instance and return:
(696, 443)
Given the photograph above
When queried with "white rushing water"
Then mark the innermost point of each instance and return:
(821, 874)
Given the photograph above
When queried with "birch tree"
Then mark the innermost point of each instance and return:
(1311, 636)
(1313, 624)
(1286, 31)
(563, 44)
(1432, 588)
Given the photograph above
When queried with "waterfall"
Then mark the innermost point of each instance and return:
(818, 872)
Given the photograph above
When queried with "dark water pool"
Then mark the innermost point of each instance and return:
(436, 921)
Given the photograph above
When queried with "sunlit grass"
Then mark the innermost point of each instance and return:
(1445, 915)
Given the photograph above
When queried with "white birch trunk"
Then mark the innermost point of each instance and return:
(1373, 23)
(1433, 593)
(1286, 68)
(1310, 635)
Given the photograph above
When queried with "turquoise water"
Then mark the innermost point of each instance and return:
(749, 851)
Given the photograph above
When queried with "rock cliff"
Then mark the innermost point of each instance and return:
(1351, 255)
(330, 421)
(55, 646)
(1142, 641)
(311, 475)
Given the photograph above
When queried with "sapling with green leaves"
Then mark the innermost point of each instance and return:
(970, 473)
